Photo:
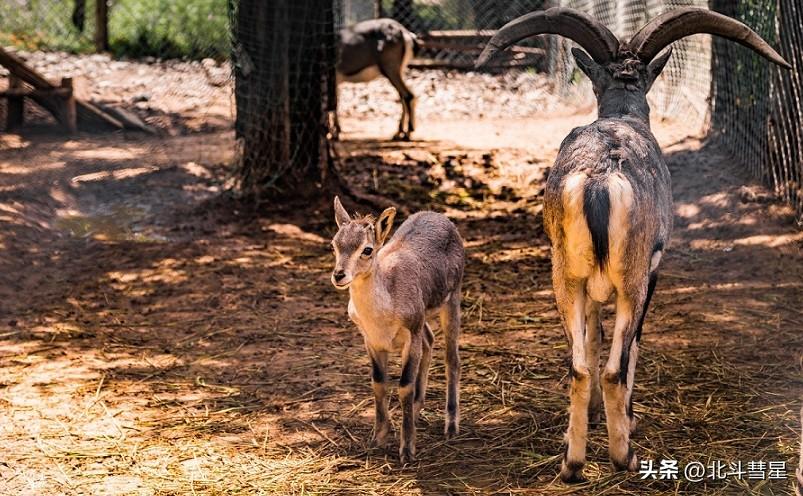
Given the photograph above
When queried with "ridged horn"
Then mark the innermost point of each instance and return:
(589, 33)
(676, 24)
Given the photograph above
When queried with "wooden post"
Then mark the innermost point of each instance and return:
(15, 113)
(69, 112)
(101, 26)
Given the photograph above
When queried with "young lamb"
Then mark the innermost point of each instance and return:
(393, 289)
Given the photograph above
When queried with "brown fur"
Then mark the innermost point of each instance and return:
(393, 290)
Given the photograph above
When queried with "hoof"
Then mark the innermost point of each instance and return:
(406, 455)
(380, 438)
(628, 465)
(417, 407)
(572, 473)
(451, 430)
(401, 137)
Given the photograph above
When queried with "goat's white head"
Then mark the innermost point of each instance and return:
(631, 66)
(356, 243)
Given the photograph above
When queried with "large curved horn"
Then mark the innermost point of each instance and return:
(676, 24)
(594, 37)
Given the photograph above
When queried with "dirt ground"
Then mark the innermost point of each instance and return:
(159, 337)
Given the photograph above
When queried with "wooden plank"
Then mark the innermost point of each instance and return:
(69, 112)
(457, 47)
(31, 92)
(88, 114)
(460, 33)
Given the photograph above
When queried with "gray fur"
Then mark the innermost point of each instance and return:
(393, 291)
(379, 46)
(608, 208)
(618, 143)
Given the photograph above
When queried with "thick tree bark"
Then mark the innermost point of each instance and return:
(285, 58)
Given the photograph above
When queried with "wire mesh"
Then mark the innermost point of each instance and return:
(684, 85)
(284, 59)
(157, 48)
(756, 105)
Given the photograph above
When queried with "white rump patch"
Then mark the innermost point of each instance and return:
(579, 250)
(655, 260)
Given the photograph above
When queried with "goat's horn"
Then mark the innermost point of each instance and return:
(676, 24)
(589, 33)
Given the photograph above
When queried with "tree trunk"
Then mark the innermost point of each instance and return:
(285, 58)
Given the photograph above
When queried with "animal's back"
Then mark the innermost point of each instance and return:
(425, 250)
(356, 64)
(599, 179)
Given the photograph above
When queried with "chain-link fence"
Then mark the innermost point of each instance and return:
(754, 108)
(284, 59)
(756, 105)
(454, 32)
(684, 85)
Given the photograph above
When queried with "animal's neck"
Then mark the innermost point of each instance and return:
(621, 102)
(365, 288)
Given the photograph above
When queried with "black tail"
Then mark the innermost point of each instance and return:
(597, 210)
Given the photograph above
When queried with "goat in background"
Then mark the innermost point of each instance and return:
(608, 207)
(379, 46)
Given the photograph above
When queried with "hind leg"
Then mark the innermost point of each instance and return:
(593, 338)
(570, 297)
(619, 375)
(392, 71)
(423, 371)
(450, 322)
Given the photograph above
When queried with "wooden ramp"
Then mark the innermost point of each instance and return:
(71, 112)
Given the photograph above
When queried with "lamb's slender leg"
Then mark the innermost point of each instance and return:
(593, 345)
(450, 323)
(423, 370)
(570, 296)
(616, 379)
(392, 72)
(379, 374)
(411, 360)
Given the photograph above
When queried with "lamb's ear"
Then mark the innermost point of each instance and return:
(341, 216)
(587, 64)
(384, 224)
(655, 67)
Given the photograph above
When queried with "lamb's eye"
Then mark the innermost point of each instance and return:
(367, 251)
